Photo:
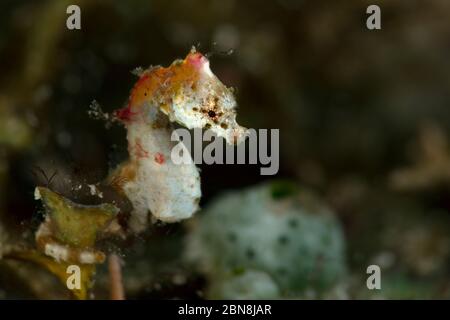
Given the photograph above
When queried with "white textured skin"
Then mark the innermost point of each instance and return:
(171, 192)
(209, 87)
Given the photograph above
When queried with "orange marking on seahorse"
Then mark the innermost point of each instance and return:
(160, 84)
(139, 150)
(159, 158)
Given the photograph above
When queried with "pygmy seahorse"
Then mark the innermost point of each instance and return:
(186, 92)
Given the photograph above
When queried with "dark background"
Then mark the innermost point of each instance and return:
(355, 109)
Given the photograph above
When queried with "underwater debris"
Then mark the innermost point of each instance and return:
(59, 269)
(67, 237)
(422, 247)
(96, 112)
(3, 240)
(268, 229)
(188, 93)
(432, 166)
(247, 285)
(15, 132)
(115, 275)
(70, 230)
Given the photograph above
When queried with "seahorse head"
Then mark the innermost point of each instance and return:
(188, 93)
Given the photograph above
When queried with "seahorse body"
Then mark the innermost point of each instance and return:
(186, 92)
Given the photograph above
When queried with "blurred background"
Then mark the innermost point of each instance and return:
(364, 119)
